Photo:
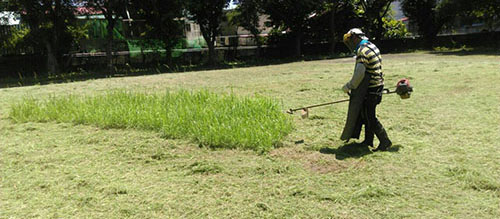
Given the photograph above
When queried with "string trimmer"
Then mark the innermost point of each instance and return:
(403, 89)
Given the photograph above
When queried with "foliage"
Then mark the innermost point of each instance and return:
(53, 31)
(213, 120)
(373, 13)
(479, 11)
(162, 21)
(430, 16)
(489, 12)
(394, 29)
(248, 16)
(209, 14)
(339, 11)
(293, 15)
(332, 21)
(14, 39)
(112, 11)
(79, 32)
(50, 24)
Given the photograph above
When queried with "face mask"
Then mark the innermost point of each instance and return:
(349, 41)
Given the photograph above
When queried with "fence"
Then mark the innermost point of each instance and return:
(229, 48)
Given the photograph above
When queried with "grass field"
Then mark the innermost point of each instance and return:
(445, 162)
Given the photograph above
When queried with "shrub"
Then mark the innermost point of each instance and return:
(394, 29)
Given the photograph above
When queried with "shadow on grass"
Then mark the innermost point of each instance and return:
(466, 51)
(353, 150)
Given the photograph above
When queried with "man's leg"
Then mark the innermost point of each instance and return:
(373, 125)
(369, 134)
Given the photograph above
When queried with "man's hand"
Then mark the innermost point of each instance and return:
(346, 89)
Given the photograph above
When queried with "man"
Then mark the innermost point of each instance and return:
(365, 89)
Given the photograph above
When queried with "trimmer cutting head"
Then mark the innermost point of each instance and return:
(304, 112)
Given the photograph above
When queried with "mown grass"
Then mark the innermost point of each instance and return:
(444, 163)
(210, 119)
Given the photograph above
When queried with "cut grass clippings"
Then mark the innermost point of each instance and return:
(210, 119)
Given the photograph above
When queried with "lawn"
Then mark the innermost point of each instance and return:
(445, 162)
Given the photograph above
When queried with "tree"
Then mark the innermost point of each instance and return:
(293, 15)
(209, 14)
(429, 15)
(394, 29)
(487, 11)
(373, 12)
(50, 24)
(335, 10)
(162, 21)
(111, 9)
(248, 17)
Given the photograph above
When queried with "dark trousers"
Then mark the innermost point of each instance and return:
(368, 113)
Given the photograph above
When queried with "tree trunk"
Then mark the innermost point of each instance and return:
(52, 42)
(431, 34)
(332, 38)
(429, 40)
(109, 46)
(211, 52)
(379, 29)
(52, 65)
(380, 22)
(143, 56)
(168, 54)
(259, 45)
(298, 44)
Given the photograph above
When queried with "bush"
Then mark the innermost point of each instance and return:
(213, 120)
(394, 29)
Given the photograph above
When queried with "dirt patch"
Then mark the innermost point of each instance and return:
(316, 161)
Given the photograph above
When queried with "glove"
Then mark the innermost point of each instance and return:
(346, 89)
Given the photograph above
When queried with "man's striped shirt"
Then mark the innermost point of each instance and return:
(369, 55)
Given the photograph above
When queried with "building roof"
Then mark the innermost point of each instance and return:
(87, 11)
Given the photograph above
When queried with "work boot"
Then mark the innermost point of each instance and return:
(385, 142)
(368, 138)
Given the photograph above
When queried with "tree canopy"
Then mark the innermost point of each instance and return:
(209, 14)
(248, 16)
(112, 10)
(293, 15)
(50, 27)
(432, 16)
(51, 24)
(162, 21)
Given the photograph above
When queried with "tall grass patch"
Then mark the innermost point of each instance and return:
(213, 120)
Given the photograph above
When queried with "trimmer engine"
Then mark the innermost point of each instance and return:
(404, 89)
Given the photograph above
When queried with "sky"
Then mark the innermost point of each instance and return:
(233, 4)
(396, 6)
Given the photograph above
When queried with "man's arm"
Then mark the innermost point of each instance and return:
(357, 77)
